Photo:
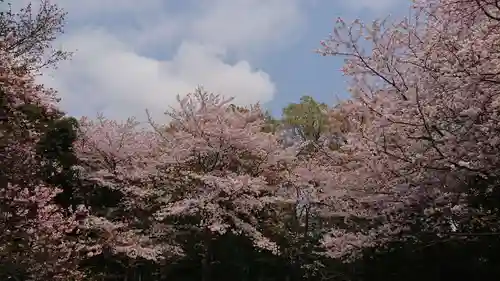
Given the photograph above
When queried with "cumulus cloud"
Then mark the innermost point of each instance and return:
(120, 68)
(108, 75)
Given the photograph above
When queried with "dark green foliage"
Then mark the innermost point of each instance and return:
(227, 257)
(56, 148)
(431, 259)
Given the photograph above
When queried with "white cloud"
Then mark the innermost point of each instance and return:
(113, 69)
(246, 23)
(107, 75)
(374, 5)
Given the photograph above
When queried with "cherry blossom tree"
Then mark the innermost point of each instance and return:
(32, 29)
(424, 117)
(422, 125)
(229, 169)
(123, 159)
(37, 239)
(212, 163)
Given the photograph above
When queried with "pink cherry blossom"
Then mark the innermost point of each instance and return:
(35, 232)
(423, 117)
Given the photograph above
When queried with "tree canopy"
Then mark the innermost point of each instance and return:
(399, 182)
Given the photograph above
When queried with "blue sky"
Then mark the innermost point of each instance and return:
(132, 55)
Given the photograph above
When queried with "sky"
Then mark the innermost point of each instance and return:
(134, 55)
